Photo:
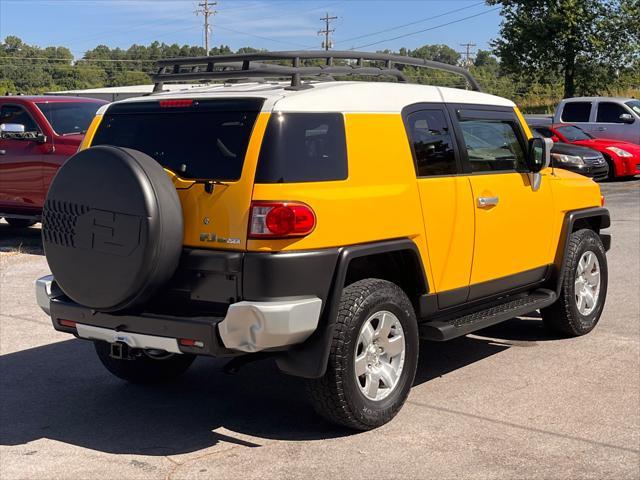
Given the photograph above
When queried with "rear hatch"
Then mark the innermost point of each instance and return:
(210, 150)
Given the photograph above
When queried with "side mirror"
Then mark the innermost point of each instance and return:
(539, 155)
(11, 129)
(626, 118)
(555, 138)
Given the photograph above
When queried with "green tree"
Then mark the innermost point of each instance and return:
(586, 43)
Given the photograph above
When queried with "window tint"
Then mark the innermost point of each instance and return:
(576, 112)
(16, 114)
(69, 117)
(200, 142)
(303, 147)
(610, 112)
(492, 145)
(432, 143)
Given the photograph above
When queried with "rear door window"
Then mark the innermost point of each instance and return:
(430, 137)
(610, 112)
(303, 147)
(576, 112)
(196, 140)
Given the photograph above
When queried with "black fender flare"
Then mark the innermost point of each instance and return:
(598, 217)
(309, 359)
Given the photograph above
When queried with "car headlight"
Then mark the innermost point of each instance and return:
(568, 159)
(620, 152)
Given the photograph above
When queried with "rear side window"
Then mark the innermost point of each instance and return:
(200, 140)
(576, 112)
(303, 147)
(610, 112)
(432, 143)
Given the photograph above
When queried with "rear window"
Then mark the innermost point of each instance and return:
(68, 118)
(195, 140)
(576, 112)
(303, 147)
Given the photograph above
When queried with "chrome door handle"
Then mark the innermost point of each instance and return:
(3, 152)
(487, 201)
(602, 129)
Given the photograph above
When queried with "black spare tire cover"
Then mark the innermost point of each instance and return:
(112, 228)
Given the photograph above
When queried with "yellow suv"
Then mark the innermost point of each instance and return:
(327, 224)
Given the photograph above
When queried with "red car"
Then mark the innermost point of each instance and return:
(37, 135)
(623, 157)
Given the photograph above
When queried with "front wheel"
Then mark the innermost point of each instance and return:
(373, 358)
(145, 366)
(584, 287)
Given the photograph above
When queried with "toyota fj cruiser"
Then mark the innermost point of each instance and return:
(328, 224)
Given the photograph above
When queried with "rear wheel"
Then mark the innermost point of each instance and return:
(373, 359)
(147, 366)
(20, 222)
(584, 287)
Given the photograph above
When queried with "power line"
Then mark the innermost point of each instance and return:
(397, 27)
(327, 44)
(427, 29)
(207, 12)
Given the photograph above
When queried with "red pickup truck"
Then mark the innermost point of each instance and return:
(37, 135)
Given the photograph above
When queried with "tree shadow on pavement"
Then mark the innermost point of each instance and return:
(20, 240)
(61, 392)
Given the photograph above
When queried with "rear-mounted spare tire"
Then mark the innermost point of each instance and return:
(112, 228)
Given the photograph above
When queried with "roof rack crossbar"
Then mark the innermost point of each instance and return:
(250, 65)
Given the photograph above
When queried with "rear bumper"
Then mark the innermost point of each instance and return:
(246, 327)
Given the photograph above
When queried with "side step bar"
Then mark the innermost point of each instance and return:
(440, 330)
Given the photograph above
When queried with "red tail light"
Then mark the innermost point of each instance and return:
(67, 323)
(176, 103)
(280, 220)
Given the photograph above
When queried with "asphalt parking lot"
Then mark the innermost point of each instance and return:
(509, 402)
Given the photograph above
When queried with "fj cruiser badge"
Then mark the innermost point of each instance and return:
(213, 238)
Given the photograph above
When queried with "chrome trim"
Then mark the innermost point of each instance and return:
(133, 340)
(46, 289)
(488, 201)
(255, 326)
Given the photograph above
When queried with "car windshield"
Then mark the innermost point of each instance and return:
(69, 117)
(634, 105)
(202, 140)
(573, 133)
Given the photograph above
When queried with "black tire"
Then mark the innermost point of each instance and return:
(336, 396)
(20, 222)
(144, 368)
(563, 316)
(611, 174)
(112, 228)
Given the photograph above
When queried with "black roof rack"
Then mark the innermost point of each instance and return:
(239, 66)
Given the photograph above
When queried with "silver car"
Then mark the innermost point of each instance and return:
(616, 118)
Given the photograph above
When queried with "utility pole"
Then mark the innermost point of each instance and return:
(468, 59)
(206, 11)
(327, 44)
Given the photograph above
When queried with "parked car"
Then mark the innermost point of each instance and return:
(623, 158)
(37, 135)
(327, 224)
(602, 117)
(582, 160)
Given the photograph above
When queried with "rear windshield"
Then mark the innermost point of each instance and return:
(303, 147)
(68, 118)
(198, 140)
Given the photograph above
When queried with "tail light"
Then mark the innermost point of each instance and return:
(178, 103)
(280, 220)
(602, 200)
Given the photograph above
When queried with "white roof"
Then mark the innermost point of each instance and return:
(348, 97)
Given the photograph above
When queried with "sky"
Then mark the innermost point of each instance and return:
(367, 25)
